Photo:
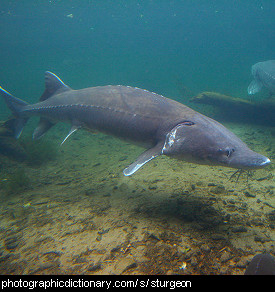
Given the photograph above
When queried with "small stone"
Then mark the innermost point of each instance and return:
(249, 195)
(97, 164)
(205, 248)
(99, 237)
(226, 256)
(94, 267)
(223, 270)
(239, 229)
(243, 206)
(79, 260)
(153, 237)
(242, 263)
(101, 232)
(116, 249)
(194, 262)
(188, 255)
(261, 239)
(11, 242)
(218, 236)
(218, 189)
(123, 158)
(131, 266)
(12, 245)
(212, 185)
(271, 215)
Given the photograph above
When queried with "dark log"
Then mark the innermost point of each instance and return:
(262, 111)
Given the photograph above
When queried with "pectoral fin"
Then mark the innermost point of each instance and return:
(143, 158)
(73, 129)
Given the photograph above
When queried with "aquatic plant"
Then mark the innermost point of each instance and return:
(39, 152)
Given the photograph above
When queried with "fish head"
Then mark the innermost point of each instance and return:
(205, 141)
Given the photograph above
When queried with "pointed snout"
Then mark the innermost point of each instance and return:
(250, 160)
(265, 162)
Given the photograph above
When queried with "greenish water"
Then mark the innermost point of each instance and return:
(204, 45)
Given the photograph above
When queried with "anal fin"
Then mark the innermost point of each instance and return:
(43, 126)
(145, 157)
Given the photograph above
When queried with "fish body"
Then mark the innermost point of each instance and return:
(162, 125)
(261, 264)
(264, 76)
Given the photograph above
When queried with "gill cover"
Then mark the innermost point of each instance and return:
(175, 138)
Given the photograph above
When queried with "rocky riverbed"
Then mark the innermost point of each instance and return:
(78, 214)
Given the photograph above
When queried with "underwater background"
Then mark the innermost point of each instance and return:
(69, 209)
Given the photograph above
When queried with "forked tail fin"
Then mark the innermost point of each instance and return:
(15, 105)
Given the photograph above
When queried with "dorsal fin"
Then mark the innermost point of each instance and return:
(53, 85)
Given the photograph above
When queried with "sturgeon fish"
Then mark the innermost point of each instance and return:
(264, 76)
(162, 125)
(261, 264)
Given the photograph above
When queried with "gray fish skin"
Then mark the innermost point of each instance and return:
(261, 264)
(162, 125)
(264, 76)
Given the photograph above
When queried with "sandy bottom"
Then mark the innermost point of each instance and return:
(82, 216)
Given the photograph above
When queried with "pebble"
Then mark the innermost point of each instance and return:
(131, 266)
(94, 267)
(218, 189)
(249, 195)
(97, 164)
(116, 249)
(242, 263)
(123, 158)
(153, 237)
(205, 248)
(12, 242)
(237, 229)
(99, 237)
(194, 262)
(223, 270)
(218, 236)
(271, 215)
(226, 256)
(47, 265)
(212, 185)
(103, 231)
(243, 206)
(261, 239)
